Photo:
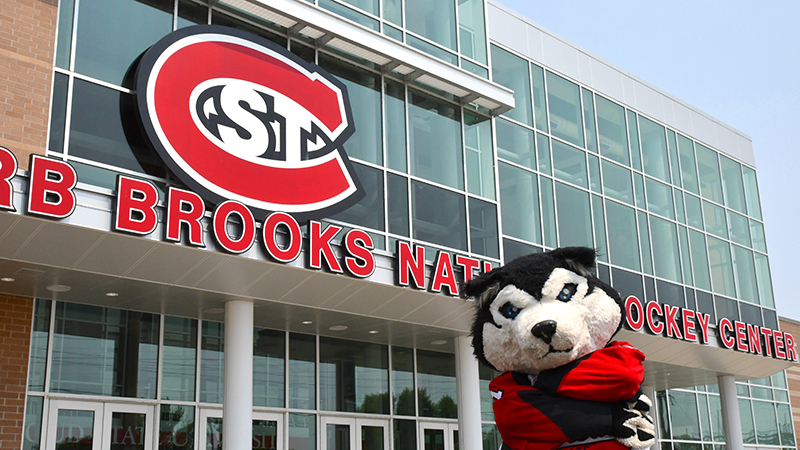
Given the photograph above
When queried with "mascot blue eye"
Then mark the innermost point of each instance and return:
(510, 311)
(567, 292)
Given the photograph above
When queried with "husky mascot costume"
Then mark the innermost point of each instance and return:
(546, 322)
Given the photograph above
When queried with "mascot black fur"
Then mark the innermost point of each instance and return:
(547, 322)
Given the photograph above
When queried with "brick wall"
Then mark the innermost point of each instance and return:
(15, 337)
(27, 43)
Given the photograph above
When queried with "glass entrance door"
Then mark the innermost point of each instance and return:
(346, 433)
(267, 430)
(76, 425)
(438, 436)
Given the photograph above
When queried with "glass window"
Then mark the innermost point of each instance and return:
(58, 113)
(659, 198)
(64, 38)
(683, 414)
(716, 417)
(99, 130)
(751, 192)
(483, 233)
(370, 6)
(569, 164)
(705, 419)
(480, 161)
(539, 102)
(269, 354)
(212, 362)
(764, 280)
(190, 13)
(353, 376)
(694, 211)
(364, 89)
(623, 244)
(486, 375)
(667, 259)
(368, 212)
(708, 169)
(491, 437)
(594, 174)
(628, 283)
(599, 228)
(686, 260)
(104, 351)
(350, 13)
(714, 217)
(518, 195)
(739, 227)
(513, 249)
(638, 188)
(515, 144)
(436, 375)
(612, 131)
(680, 211)
(393, 12)
(405, 434)
(663, 414)
(39, 338)
(511, 71)
(472, 29)
(564, 104)
(302, 431)
(588, 120)
(719, 254)
(435, 138)
(266, 29)
(178, 364)
(302, 374)
(633, 138)
(543, 153)
(176, 428)
(433, 20)
(785, 425)
(394, 103)
(688, 164)
(438, 216)
(746, 416)
(672, 147)
(397, 199)
(33, 423)
(654, 149)
(403, 381)
(757, 234)
(574, 216)
(733, 184)
(644, 241)
(548, 212)
(697, 243)
(617, 182)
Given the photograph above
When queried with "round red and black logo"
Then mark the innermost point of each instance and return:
(236, 116)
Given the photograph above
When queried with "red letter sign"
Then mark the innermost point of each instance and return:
(294, 237)
(185, 207)
(50, 190)
(136, 206)
(8, 168)
(220, 226)
(358, 243)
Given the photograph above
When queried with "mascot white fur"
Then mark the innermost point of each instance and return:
(547, 322)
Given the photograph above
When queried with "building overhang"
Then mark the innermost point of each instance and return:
(326, 28)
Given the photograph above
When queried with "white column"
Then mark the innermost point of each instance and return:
(730, 412)
(650, 392)
(237, 400)
(470, 434)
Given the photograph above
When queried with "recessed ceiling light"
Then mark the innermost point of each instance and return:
(111, 294)
(338, 328)
(439, 342)
(374, 331)
(307, 322)
(214, 311)
(58, 288)
(7, 279)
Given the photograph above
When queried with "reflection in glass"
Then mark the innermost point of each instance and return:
(745, 270)
(751, 192)
(483, 233)
(74, 430)
(213, 433)
(746, 417)
(708, 170)
(659, 198)
(338, 437)
(372, 438)
(598, 219)
(714, 218)
(512, 72)
(179, 361)
(128, 431)
(518, 194)
(757, 234)
(633, 138)
(367, 212)
(515, 144)
(785, 425)
(472, 29)
(623, 244)
(33, 423)
(269, 351)
(688, 164)
(588, 120)
(539, 98)
(764, 280)
(574, 216)
(38, 350)
(190, 13)
(569, 164)
(397, 199)
(654, 149)
(513, 249)
(719, 254)
(667, 259)
(697, 243)
(672, 147)
(66, 18)
(612, 131)
(395, 122)
(594, 173)
(686, 261)
(265, 434)
(58, 113)
(435, 138)
(485, 376)
(732, 184)
(438, 216)
(564, 104)
(617, 182)
(739, 227)
(353, 376)
(694, 211)
(104, 351)
(480, 161)
(434, 439)
(176, 429)
(302, 376)
(644, 241)
(393, 12)
(683, 415)
(433, 20)
(403, 381)
(405, 434)
(212, 358)
(302, 431)
(436, 375)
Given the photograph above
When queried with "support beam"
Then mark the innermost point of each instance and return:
(731, 422)
(470, 435)
(237, 399)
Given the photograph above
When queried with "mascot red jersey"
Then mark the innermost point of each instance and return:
(547, 322)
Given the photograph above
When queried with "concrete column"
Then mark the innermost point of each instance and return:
(470, 434)
(237, 400)
(650, 392)
(730, 412)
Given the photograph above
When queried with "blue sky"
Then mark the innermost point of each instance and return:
(738, 61)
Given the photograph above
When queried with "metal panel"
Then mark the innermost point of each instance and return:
(561, 56)
(649, 101)
(508, 30)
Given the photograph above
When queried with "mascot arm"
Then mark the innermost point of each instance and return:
(535, 420)
(610, 374)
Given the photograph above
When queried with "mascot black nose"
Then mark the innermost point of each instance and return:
(544, 330)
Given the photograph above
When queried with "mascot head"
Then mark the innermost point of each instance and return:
(542, 311)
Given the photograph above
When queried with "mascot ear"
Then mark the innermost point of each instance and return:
(580, 260)
(477, 287)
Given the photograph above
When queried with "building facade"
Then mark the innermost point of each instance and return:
(479, 137)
